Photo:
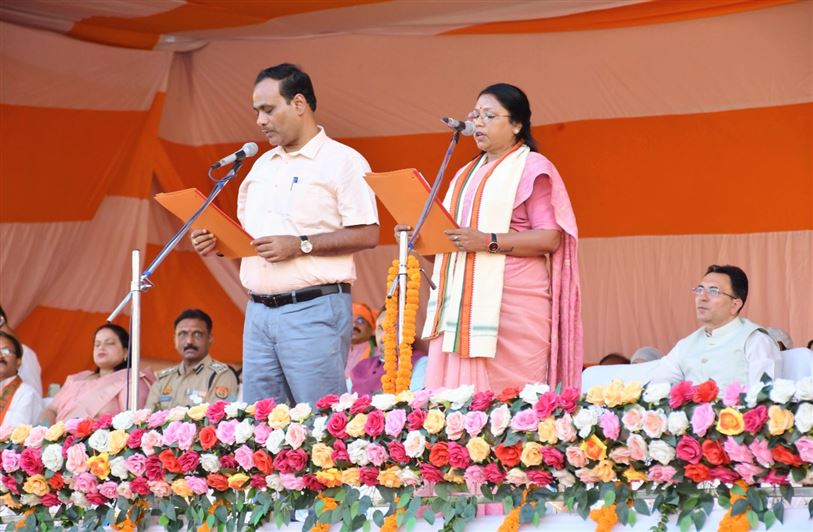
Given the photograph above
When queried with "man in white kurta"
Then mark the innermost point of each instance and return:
(727, 347)
(20, 404)
(30, 370)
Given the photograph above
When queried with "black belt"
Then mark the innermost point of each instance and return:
(298, 296)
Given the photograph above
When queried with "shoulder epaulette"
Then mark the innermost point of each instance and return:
(218, 367)
(166, 371)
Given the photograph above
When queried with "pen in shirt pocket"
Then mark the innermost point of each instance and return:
(294, 181)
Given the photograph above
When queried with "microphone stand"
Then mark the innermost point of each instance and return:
(141, 283)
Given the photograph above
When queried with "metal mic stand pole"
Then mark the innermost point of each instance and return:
(141, 283)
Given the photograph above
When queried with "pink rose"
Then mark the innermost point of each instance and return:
(85, 482)
(368, 476)
(10, 484)
(431, 473)
(500, 417)
(376, 453)
(31, 461)
(197, 485)
(139, 486)
(458, 456)
(50, 499)
(688, 450)
(731, 395)
(702, 419)
(738, 452)
(804, 446)
(261, 433)
(157, 419)
(621, 455)
(170, 435)
(455, 425)
(262, 408)
(755, 418)
(610, 426)
(724, 474)
(96, 499)
(374, 425)
(539, 477)
(774, 477)
(134, 439)
(298, 459)
(525, 420)
(759, 448)
(149, 441)
(339, 452)
(35, 437)
(397, 452)
(564, 428)
(420, 399)
(77, 459)
(108, 489)
(136, 464)
(103, 422)
(160, 488)
(680, 394)
(661, 473)
(637, 446)
(336, 425)
(474, 477)
(587, 476)
(394, 422)
(295, 435)
(189, 461)
(216, 411)
(474, 422)
(569, 399)
(546, 404)
(360, 405)
(153, 469)
(227, 461)
(633, 419)
(553, 457)
(654, 423)
(185, 435)
(327, 401)
(245, 457)
(575, 456)
(225, 431)
(123, 490)
(11, 461)
(481, 401)
(415, 419)
(748, 472)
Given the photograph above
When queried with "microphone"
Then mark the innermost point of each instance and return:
(465, 128)
(249, 149)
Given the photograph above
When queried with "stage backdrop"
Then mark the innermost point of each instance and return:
(683, 131)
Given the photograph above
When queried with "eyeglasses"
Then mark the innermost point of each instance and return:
(7, 352)
(712, 291)
(358, 320)
(487, 116)
(197, 335)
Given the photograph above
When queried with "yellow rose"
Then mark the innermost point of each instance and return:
(330, 477)
(250, 409)
(237, 480)
(613, 393)
(730, 422)
(389, 477)
(55, 431)
(37, 485)
(116, 441)
(531, 454)
(547, 431)
(20, 433)
(434, 421)
(604, 471)
(404, 397)
(351, 477)
(452, 477)
(595, 395)
(280, 417)
(179, 487)
(593, 448)
(631, 392)
(321, 456)
(356, 426)
(99, 466)
(779, 420)
(478, 449)
(197, 412)
(632, 475)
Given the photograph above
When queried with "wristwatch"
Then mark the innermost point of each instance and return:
(493, 247)
(306, 246)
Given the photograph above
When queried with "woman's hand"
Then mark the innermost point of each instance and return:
(402, 227)
(468, 239)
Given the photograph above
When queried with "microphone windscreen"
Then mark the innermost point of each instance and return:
(250, 149)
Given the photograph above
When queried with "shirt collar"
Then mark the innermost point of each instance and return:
(197, 368)
(5, 382)
(723, 331)
(309, 150)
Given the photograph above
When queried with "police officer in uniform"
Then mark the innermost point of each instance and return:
(199, 378)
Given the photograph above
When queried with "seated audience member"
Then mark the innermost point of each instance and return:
(198, 378)
(810, 345)
(362, 340)
(726, 347)
(20, 404)
(781, 337)
(613, 359)
(103, 390)
(645, 354)
(30, 371)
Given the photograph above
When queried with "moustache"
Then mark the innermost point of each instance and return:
(190, 346)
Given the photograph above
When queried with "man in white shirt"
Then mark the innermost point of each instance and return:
(726, 347)
(20, 404)
(30, 370)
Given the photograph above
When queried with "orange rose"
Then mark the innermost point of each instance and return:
(330, 477)
(593, 448)
(730, 422)
(237, 480)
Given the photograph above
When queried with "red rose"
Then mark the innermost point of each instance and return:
(782, 454)
(84, 428)
(298, 459)
(170, 461)
(439, 454)
(31, 461)
(50, 499)
(680, 394)
(688, 450)
(714, 453)
(755, 418)
(263, 461)
(553, 457)
(775, 478)
(494, 474)
(696, 472)
(508, 455)
(336, 425)
(340, 452)
(139, 486)
(11, 484)
(227, 461)
(189, 461)
(312, 484)
(258, 481)
(103, 422)
(262, 408)
(66, 444)
(153, 468)
(415, 419)
(706, 392)
(56, 482)
(360, 405)
(96, 498)
(374, 425)
(397, 452)
(216, 412)
(724, 474)
(134, 439)
(207, 437)
(431, 473)
(458, 456)
(569, 399)
(327, 401)
(281, 462)
(481, 401)
(217, 481)
(539, 477)
(546, 404)
(368, 476)
(508, 394)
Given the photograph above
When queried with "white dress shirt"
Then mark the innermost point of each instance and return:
(25, 407)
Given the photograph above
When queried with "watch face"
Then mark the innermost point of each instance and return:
(306, 246)
(493, 247)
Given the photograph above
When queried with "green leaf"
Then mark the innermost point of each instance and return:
(622, 511)
(691, 503)
(429, 517)
(739, 507)
(508, 504)
(685, 523)
(609, 497)
(810, 508)
(724, 502)
(787, 492)
(753, 520)
(779, 511)
(699, 519)
(410, 523)
(526, 513)
(402, 502)
(737, 490)
(366, 527)
(641, 506)
(632, 518)
(378, 518)
(163, 520)
(769, 519)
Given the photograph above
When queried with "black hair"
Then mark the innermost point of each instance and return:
(18, 347)
(739, 281)
(124, 338)
(613, 359)
(810, 344)
(516, 103)
(293, 80)
(194, 314)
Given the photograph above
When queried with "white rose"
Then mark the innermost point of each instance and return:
(661, 451)
(210, 463)
(564, 477)
(78, 498)
(500, 417)
(29, 499)
(98, 440)
(301, 412)
(141, 416)
(408, 476)
(123, 420)
(654, 393)
(531, 392)
(358, 452)
(456, 396)
(117, 468)
(655, 430)
(804, 417)
(516, 476)
(345, 401)
(585, 420)
(782, 391)
(752, 393)
(274, 482)
(319, 426)
(177, 413)
(383, 401)
(243, 431)
(804, 389)
(677, 422)
(232, 409)
(274, 441)
(52, 457)
(415, 444)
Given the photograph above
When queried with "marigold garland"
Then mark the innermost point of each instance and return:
(605, 518)
(735, 523)
(511, 521)
(398, 360)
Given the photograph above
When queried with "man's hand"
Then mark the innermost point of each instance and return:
(203, 241)
(277, 248)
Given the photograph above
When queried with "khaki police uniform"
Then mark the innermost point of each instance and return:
(207, 382)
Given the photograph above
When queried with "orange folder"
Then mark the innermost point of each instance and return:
(404, 193)
(232, 241)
